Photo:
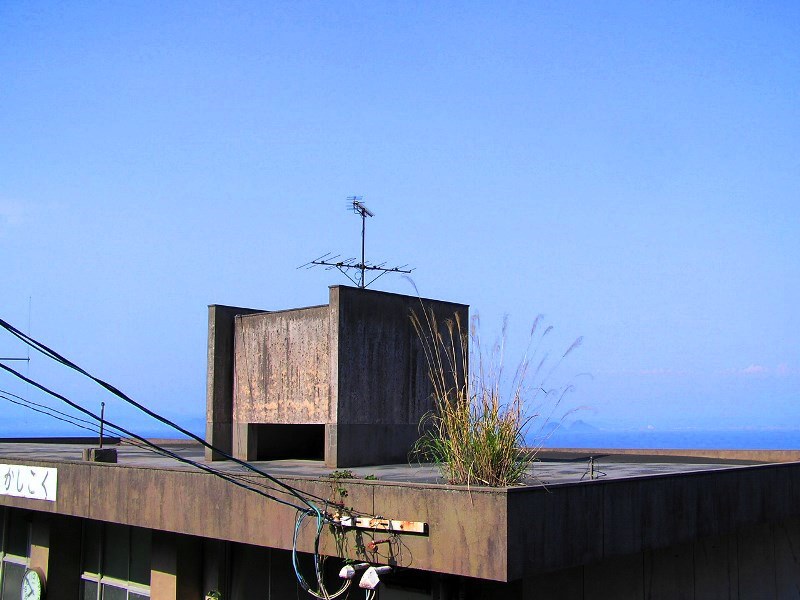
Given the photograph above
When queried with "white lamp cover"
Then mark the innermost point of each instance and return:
(370, 580)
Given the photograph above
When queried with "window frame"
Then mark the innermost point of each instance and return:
(5, 533)
(100, 579)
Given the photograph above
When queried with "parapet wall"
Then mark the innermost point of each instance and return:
(282, 367)
(382, 387)
(383, 372)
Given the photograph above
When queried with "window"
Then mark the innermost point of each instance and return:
(14, 550)
(116, 562)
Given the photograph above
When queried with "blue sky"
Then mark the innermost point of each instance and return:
(630, 170)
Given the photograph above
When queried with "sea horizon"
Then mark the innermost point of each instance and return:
(582, 436)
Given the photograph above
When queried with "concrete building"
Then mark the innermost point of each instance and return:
(669, 525)
(346, 382)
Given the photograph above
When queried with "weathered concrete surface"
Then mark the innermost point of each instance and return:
(618, 577)
(52, 553)
(213, 508)
(219, 377)
(355, 365)
(368, 444)
(468, 528)
(501, 535)
(678, 454)
(281, 369)
(383, 372)
(175, 567)
(581, 523)
(753, 563)
(107, 455)
(382, 385)
(716, 572)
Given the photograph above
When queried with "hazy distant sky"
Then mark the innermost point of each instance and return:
(631, 170)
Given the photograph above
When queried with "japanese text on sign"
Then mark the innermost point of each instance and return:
(24, 481)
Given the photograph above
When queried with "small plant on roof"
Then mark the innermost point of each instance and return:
(476, 431)
(337, 489)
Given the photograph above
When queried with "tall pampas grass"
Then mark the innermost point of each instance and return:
(476, 431)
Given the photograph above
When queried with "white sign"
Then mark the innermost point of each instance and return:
(24, 481)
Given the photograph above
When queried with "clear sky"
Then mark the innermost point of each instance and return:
(629, 169)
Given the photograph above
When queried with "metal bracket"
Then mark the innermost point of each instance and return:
(380, 524)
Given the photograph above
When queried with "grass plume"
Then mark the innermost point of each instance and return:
(476, 431)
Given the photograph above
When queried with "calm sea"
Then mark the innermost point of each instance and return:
(744, 439)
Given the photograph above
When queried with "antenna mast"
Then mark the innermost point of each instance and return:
(356, 204)
(360, 208)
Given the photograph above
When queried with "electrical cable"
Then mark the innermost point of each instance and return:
(49, 414)
(321, 592)
(65, 417)
(145, 441)
(73, 420)
(320, 517)
(25, 402)
(238, 480)
(91, 427)
(49, 352)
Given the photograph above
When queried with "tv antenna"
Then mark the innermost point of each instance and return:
(348, 265)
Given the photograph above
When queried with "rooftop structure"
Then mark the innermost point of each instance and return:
(182, 522)
(346, 382)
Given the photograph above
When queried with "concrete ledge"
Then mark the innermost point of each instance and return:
(750, 456)
(502, 534)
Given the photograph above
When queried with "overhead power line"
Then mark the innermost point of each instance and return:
(49, 352)
(236, 479)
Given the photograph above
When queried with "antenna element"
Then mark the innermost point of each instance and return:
(356, 204)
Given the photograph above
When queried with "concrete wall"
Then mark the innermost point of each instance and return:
(355, 366)
(281, 367)
(758, 562)
(574, 524)
(213, 508)
(383, 373)
(499, 534)
(219, 377)
(176, 567)
(382, 385)
(53, 553)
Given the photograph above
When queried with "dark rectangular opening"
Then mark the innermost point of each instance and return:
(276, 442)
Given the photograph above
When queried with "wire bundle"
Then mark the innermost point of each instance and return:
(321, 592)
(301, 501)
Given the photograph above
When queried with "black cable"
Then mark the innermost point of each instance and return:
(147, 442)
(49, 414)
(91, 427)
(147, 445)
(70, 419)
(26, 401)
(290, 490)
(36, 345)
(236, 480)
